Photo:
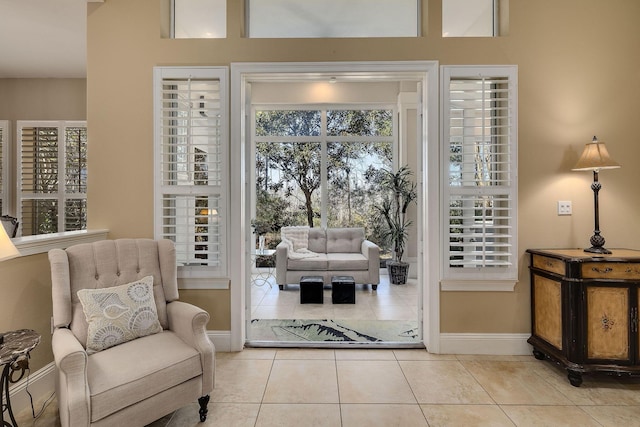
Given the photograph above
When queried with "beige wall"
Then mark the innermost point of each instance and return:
(25, 283)
(577, 66)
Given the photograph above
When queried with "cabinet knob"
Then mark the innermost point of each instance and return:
(602, 270)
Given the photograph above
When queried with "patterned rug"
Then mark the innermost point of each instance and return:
(330, 330)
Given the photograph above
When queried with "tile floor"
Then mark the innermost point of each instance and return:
(388, 302)
(326, 387)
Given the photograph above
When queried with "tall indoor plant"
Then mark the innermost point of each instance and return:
(400, 194)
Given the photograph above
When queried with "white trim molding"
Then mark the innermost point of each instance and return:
(495, 344)
(221, 340)
(42, 243)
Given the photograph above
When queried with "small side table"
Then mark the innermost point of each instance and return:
(14, 357)
(263, 274)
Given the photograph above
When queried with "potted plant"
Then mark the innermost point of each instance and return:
(401, 192)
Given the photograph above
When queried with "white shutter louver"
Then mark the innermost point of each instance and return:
(191, 160)
(53, 176)
(481, 191)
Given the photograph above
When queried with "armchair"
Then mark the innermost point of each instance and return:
(141, 380)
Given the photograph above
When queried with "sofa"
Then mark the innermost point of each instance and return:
(306, 251)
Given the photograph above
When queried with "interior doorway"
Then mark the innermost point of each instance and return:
(398, 87)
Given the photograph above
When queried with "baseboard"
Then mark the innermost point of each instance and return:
(498, 344)
(221, 340)
(40, 384)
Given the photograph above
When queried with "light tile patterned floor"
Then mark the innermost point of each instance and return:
(353, 388)
(388, 302)
(380, 387)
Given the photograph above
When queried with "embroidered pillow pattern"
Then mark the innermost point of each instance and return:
(119, 314)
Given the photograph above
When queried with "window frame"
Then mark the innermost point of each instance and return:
(62, 195)
(334, 31)
(199, 276)
(489, 278)
(323, 138)
(5, 160)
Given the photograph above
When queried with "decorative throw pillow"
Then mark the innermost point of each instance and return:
(119, 314)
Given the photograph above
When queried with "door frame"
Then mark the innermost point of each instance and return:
(428, 253)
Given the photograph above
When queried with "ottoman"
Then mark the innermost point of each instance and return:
(343, 290)
(311, 290)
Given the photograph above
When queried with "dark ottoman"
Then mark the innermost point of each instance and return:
(311, 289)
(343, 290)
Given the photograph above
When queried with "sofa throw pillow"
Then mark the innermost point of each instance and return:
(119, 314)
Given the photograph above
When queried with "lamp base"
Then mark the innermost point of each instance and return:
(597, 250)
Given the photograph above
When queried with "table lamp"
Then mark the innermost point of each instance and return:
(7, 251)
(595, 157)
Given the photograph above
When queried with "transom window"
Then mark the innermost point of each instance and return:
(333, 18)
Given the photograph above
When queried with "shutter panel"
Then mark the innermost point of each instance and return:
(481, 191)
(49, 151)
(190, 168)
(4, 167)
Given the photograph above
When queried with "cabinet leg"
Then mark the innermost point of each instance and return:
(538, 354)
(575, 378)
(374, 287)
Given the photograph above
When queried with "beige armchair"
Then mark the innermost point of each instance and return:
(141, 380)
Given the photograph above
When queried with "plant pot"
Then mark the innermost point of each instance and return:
(398, 272)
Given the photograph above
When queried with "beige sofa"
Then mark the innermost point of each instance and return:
(328, 252)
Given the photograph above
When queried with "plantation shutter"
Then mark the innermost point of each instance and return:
(52, 170)
(191, 160)
(4, 167)
(481, 187)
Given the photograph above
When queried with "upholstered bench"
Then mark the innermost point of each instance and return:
(311, 290)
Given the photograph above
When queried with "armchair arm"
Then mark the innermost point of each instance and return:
(72, 386)
(282, 254)
(189, 323)
(372, 252)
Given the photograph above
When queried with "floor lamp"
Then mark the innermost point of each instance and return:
(7, 251)
(594, 158)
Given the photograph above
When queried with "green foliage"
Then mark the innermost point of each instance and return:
(400, 194)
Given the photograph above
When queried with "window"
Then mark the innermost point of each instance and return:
(4, 167)
(194, 19)
(191, 147)
(471, 18)
(52, 170)
(480, 166)
(321, 166)
(333, 18)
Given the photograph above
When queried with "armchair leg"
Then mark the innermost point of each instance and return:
(203, 401)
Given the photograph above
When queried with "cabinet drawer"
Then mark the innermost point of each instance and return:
(549, 264)
(610, 270)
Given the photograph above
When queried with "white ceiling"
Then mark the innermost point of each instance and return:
(43, 38)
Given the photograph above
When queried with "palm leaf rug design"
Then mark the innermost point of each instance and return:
(331, 330)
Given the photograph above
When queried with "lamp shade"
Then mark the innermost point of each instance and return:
(7, 249)
(595, 157)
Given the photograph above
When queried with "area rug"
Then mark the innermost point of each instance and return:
(331, 330)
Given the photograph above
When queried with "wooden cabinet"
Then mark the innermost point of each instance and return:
(584, 310)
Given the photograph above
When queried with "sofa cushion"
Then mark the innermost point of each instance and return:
(318, 240)
(318, 262)
(347, 261)
(116, 380)
(347, 240)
